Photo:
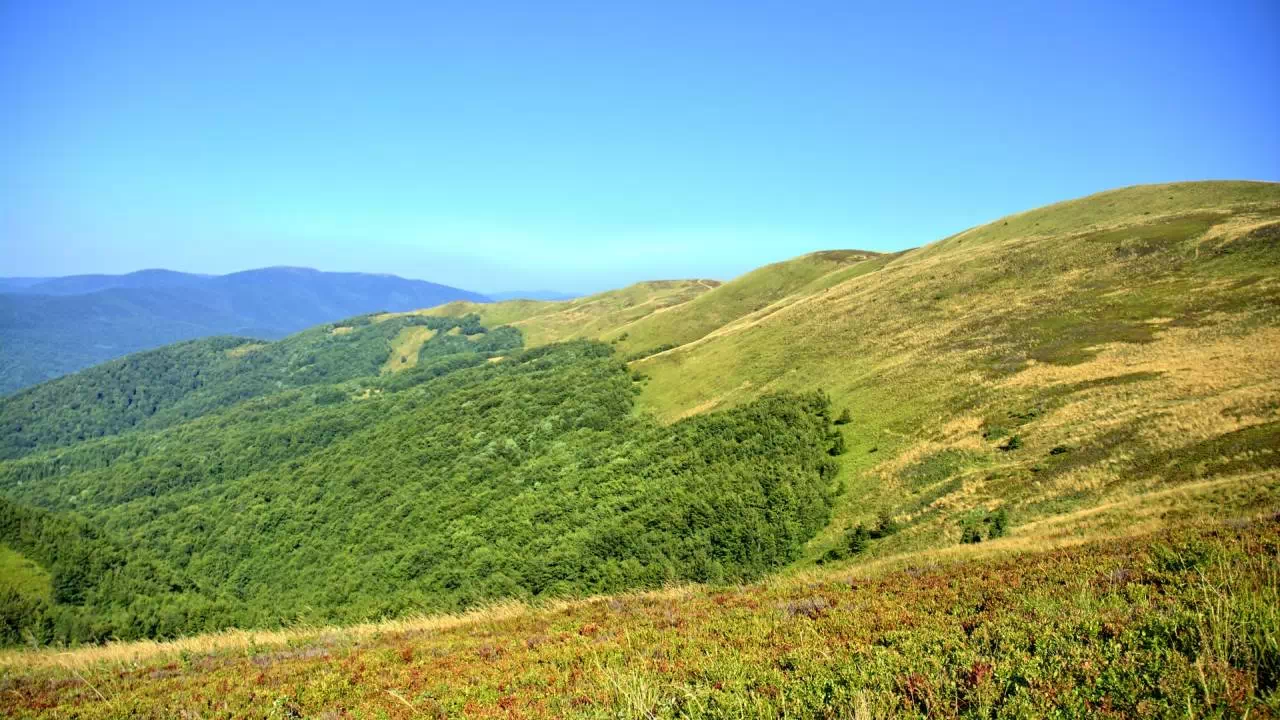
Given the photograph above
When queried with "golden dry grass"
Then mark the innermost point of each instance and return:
(142, 651)
(242, 350)
(405, 347)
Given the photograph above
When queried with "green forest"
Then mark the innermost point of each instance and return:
(159, 388)
(226, 482)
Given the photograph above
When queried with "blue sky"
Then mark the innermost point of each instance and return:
(580, 146)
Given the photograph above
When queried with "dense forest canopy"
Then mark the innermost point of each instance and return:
(223, 483)
(161, 387)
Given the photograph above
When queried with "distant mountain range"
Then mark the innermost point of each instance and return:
(53, 326)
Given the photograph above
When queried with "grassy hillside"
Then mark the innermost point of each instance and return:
(744, 300)
(22, 576)
(595, 316)
(1129, 341)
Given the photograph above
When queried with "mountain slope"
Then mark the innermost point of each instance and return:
(153, 279)
(176, 383)
(18, 284)
(1129, 340)
(594, 316)
(744, 299)
(61, 325)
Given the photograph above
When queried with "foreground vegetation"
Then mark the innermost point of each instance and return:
(1182, 624)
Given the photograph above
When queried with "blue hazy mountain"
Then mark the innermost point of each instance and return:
(53, 326)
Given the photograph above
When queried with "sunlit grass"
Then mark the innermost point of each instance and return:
(1118, 336)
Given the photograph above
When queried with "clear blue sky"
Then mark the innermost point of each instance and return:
(579, 146)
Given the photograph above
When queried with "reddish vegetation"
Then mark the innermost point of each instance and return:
(1118, 630)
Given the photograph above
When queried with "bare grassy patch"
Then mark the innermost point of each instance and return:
(245, 349)
(405, 347)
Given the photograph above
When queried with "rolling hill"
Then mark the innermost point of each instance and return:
(593, 316)
(1129, 341)
(1031, 468)
(53, 326)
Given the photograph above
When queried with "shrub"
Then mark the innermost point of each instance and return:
(832, 555)
(837, 444)
(845, 417)
(857, 538)
(885, 526)
(999, 524)
(994, 432)
(1184, 557)
(642, 354)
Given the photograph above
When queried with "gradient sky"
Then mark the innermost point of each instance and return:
(580, 146)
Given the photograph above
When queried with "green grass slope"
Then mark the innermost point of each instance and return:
(22, 576)
(743, 300)
(1129, 341)
(595, 316)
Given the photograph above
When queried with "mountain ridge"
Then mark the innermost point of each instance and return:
(61, 325)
